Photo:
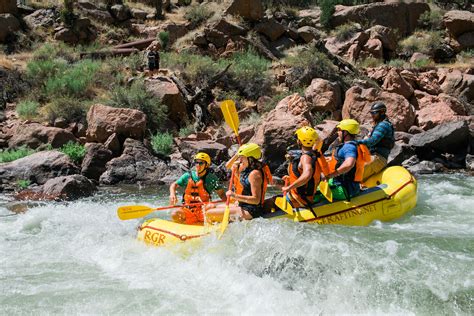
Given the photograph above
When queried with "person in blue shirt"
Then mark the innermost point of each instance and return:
(343, 163)
(380, 142)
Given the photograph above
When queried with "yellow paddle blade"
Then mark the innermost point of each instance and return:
(225, 221)
(230, 115)
(282, 203)
(133, 211)
(325, 190)
(231, 162)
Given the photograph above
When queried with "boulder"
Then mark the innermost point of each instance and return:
(138, 14)
(458, 22)
(189, 148)
(228, 28)
(324, 95)
(270, 28)
(387, 36)
(399, 15)
(425, 167)
(435, 110)
(466, 40)
(167, 91)
(34, 135)
(91, 10)
(37, 168)
(248, 9)
(8, 6)
(308, 33)
(428, 81)
(359, 100)
(41, 18)
(327, 131)
(113, 144)
(69, 187)
(104, 120)
(120, 12)
(9, 24)
(93, 164)
(399, 153)
(446, 138)
(395, 83)
(276, 131)
(470, 162)
(138, 165)
(458, 84)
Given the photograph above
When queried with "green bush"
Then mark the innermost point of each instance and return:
(27, 110)
(23, 184)
(74, 150)
(186, 131)
(346, 31)
(14, 154)
(164, 38)
(162, 143)
(68, 108)
(57, 50)
(38, 71)
(198, 14)
(327, 10)
(423, 63)
(431, 20)
(398, 63)
(369, 62)
(75, 81)
(137, 97)
(422, 42)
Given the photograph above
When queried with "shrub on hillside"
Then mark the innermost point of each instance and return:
(198, 14)
(162, 143)
(422, 42)
(74, 150)
(27, 110)
(66, 107)
(431, 20)
(197, 70)
(137, 97)
(14, 154)
(346, 31)
(164, 38)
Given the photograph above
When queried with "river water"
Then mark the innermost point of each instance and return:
(79, 258)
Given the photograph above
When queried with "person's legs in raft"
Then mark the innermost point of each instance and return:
(235, 212)
(376, 165)
(178, 216)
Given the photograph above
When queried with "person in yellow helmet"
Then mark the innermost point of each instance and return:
(251, 177)
(304, 169)
(198, 186)
(342, 165)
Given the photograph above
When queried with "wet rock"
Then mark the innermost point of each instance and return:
(138, 165)
(104, 121)
(425, 167)
(470, 162)
(93, 164)
(69, 187)
(36, 168)
(35, 135)
(446, 138)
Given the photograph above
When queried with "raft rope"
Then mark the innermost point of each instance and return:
(362, 205)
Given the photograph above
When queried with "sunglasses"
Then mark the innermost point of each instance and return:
(199, 163)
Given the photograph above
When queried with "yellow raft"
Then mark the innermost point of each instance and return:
(389, 195)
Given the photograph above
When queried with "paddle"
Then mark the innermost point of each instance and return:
(225, 219)
(232, 119)
(282, 202)
(137, 211)
(325, 190)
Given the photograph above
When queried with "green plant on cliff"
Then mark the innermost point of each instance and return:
(14, 154)
(75, 151)
(197, 70)
(345, 31)
(164, 38)
(67, 13)
(23, 183)
(422, 42)
(27, 109)
(162, 143)
(66, 107)
(137, 97)
(431, 20)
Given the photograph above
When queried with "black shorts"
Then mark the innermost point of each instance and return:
(254, 210)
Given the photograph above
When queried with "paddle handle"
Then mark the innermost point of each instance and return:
(183, 205)
(231, 182)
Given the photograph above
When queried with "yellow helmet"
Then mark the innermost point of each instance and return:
(350, 125)
(203, 156)
(250, 150)
(307, 136)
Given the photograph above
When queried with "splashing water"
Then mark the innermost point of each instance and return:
(79, 258)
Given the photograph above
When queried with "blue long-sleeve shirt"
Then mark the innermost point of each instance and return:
(383, 131)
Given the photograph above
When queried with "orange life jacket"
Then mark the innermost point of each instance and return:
(242, 186)
(363, 157)
(195, 192)
(304, 195)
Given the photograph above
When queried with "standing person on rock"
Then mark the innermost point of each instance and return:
(199, 185)
(380, 142)
(251, 177)
(304, 169)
